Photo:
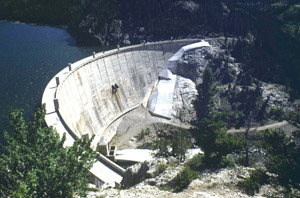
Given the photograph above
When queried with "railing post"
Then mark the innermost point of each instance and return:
(57, 80)
(70, 66)
(94, 54)
(56, 104)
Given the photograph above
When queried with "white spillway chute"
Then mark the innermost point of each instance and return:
(161, 100)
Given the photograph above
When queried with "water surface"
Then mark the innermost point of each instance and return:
(29, 57)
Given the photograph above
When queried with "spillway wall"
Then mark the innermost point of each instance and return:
(87, 102)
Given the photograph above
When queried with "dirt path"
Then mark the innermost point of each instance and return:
(261, 128)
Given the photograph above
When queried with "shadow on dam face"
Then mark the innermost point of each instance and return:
(87, 103)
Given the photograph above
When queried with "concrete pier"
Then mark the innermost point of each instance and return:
(95, 92)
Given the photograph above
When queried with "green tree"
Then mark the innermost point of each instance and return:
(283, 156)
(208, 129)
(294, 118)
(174, 143)
(206, 90)
(34, 162)
(252, 184)
(277, 113)
(210, 134)
(183, 179)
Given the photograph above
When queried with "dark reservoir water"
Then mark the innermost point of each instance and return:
(29, 57)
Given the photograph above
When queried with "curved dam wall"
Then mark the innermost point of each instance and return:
(104, 87)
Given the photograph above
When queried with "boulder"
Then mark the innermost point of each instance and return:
(135, 174)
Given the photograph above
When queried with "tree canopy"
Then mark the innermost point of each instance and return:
(209, 129)
(34, 162)
(210, 134)
(283, 156)
(206, 90)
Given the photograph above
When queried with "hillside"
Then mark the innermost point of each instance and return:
(247, 79)
(274, 24)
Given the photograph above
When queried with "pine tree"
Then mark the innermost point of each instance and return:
(283, 156)
(210, 134)
(34, 162)
(206, 90)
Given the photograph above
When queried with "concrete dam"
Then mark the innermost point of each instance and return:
(89, 96)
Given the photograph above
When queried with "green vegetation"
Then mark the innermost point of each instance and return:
(211, 136)
(160, 168)
(277, 113)
(282, 160)
(206, 90)
(272, 56)
(294, 118)
(209, 130)
(34, 163)
(59, 12)
(143, 133)
(252, 184)
(284, 157)
(183, 179)
(174, 143)
(196, 163)
(161, 18)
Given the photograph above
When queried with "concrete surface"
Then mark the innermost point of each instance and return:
(84, 101)
(135, 155)
(161, 100)
(87, 102)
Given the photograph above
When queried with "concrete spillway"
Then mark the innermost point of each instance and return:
(89, 95)
(161, 100)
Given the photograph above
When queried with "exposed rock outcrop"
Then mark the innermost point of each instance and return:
(133, 22)
(135, 174)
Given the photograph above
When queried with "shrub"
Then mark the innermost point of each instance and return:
(226, 161)
(294, 118)
(174, 143)
(211, 136)
(196, 163)
(283, 160)
(252, 184)
(160, 168)
(143, 133)
(183, 179)
(277, 113)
